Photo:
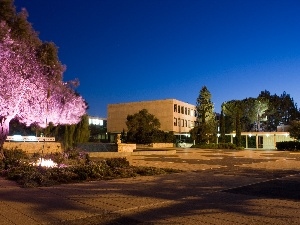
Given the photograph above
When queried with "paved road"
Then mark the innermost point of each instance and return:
(217, 187)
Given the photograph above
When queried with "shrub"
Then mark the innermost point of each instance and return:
(117, 162)
(288, 146)
(91, 170)
(217, 146)
(28, 175)
(12, 157)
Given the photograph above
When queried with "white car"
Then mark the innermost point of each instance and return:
(183, 144)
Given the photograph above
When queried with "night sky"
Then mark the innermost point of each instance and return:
(137, 50)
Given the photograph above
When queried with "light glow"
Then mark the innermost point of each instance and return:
(45, 163)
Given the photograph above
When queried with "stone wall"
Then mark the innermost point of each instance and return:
(162, 145)
(126, 147)
(34, 147)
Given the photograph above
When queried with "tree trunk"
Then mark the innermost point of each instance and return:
(238, 130)
(4, 129)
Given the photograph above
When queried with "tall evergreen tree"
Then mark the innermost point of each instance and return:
(82, 132)
(206, 127)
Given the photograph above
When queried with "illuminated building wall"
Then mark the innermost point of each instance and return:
(173, 115)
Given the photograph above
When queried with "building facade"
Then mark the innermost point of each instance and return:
(173, 115)
(98, 128)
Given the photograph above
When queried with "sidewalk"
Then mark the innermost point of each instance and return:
(217, 187)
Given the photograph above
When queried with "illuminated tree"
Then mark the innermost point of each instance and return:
(20, 79)
(27, 91)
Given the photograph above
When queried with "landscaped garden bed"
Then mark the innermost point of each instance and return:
(69, 167)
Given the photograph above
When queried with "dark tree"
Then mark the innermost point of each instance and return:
(141, 127)
(281, 111)
(222, 128)
(295, 129)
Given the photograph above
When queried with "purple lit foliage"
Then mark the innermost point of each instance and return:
(27, 93)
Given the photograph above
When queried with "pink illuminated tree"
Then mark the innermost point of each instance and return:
(19, 76)
(60, 105)
(27, 91)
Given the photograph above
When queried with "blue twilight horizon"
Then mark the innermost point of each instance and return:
(138, 50)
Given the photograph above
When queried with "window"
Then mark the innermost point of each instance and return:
(192, 124)
(175, 107)
(182, 109)
(185, 123)
(178, 108)
(182, 122)
(179, 122)
(185, 110)
(189, 111)
(175, 121)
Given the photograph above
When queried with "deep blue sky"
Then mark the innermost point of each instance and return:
(136, 50)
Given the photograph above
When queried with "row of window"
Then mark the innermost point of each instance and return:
(184, 110)
(183, 123)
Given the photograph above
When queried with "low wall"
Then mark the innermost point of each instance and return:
(126, 147)
(33, 147)
(162, 145)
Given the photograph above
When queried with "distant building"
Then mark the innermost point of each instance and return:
(97, 121)
(98, 128)
(173, 115)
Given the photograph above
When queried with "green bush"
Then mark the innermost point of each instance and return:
(12, 157)
(26, 174)
(216, 146)
(288, 146)
(117, 162)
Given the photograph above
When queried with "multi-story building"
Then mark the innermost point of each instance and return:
(173, 115)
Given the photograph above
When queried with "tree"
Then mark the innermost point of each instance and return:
(295, 129)
(222, 127)
(82, 132)
(20, 79)
(206, 127)
(281, 111)
(141, 127)
(234, 109)
(204, 106)
(31, 88)
(254, 112)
